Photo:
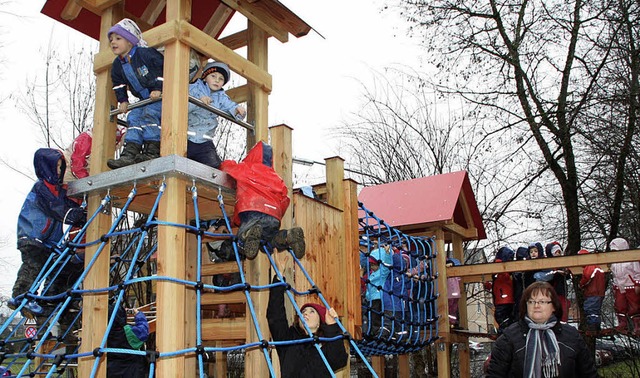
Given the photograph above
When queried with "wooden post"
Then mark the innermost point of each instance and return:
(94, 314)
(171, 302)
(463, 350)
(377, 363)
(257, 270)
(443, 345)
(403, 366)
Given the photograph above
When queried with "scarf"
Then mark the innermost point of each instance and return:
(542, 354)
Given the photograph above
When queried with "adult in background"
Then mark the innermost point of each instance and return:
(539, 345)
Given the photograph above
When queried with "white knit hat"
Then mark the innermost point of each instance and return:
(128, 30)
(618, 244)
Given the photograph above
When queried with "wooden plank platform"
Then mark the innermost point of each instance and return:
(148, 176)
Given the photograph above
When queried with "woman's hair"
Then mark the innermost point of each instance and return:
(544, 288)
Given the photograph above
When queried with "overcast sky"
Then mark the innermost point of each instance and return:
(315, 84)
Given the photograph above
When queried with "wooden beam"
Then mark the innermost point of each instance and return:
(210, 47)
(483, 272)
(94, 305)
(153, 11)
(261, 18)
(71, 10)
(236, 40)
(223, 297)
(225, 329)
(218, 20)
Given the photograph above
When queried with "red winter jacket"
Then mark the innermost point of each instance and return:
(593, 282)
(502, 289)
(258, 186)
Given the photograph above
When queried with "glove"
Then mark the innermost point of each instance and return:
(76, 216)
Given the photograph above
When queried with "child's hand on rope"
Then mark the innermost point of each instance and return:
(281, 259)
(330, 316)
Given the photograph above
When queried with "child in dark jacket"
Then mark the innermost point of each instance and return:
(261, 201)
(125, 336)
(43, 213)
(138, 69)
(303, 360)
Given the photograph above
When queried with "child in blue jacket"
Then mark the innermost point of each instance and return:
(202, 122)
(137, 69)
(43, 213)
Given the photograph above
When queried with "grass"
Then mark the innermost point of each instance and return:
(622, 369)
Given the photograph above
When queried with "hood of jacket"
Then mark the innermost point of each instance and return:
(45, 163)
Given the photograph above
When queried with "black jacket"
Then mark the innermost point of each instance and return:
(302, 360)
(507, 355)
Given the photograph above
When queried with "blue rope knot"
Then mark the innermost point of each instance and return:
(104, 238)
(97, 352)
(198, 286)
(30, 354)
(59, 358)
(264, 344)
(247, 287)
(153, 355)
(199, 350)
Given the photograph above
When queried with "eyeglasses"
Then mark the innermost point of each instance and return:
(540, 303)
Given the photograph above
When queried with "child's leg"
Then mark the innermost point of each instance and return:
(33, 259)
(204, 153)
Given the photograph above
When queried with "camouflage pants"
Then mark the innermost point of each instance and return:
(33, 260)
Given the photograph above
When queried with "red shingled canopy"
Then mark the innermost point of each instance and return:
(425, 202)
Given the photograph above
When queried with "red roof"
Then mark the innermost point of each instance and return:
(88, 22)
(425, 202)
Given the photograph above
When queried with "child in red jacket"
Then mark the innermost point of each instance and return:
(501, 288)
(261, 201)
(593, 285)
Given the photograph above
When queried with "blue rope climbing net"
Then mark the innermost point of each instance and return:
(399, 288)
(401, 331)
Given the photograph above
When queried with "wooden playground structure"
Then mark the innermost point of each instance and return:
(330, 222)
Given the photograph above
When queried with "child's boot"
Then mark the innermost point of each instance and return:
(295, 239)
(127, 157)
(150, 150)
(251, 241)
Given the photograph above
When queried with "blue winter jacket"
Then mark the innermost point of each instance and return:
(202, 121)
(396, 287)
(47, 206)
(147, 63)
(378, 277)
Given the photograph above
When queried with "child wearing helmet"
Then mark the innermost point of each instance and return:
(137, 69)
(202, 122)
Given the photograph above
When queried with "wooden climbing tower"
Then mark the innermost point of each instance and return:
(179, 26)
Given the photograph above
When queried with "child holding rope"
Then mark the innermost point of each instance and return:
(43, 213)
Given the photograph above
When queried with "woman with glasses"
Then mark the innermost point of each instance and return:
(539, 345)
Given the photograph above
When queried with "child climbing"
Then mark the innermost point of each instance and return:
(137, 69)
(78, 154)
(125, 336)
(261, 201)
(43, 213)
(303, 359)
(202, 122)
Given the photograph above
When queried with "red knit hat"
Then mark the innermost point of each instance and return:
(320, 309)
(583, 252)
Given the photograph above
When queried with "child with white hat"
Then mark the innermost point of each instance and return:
(137, 69)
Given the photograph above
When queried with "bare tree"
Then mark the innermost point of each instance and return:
(531, 67)
(60, 103)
